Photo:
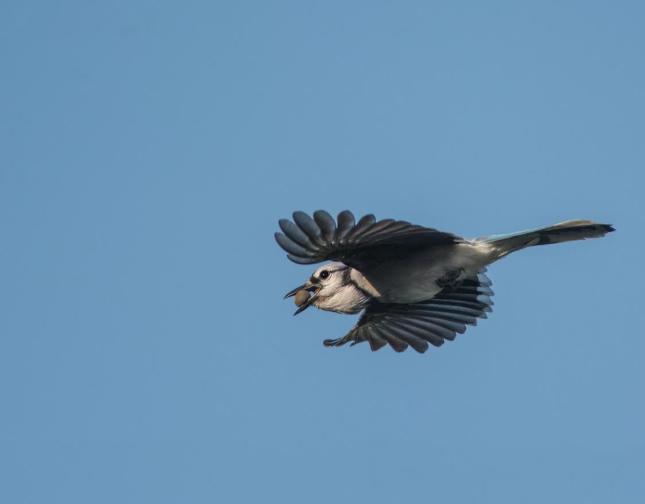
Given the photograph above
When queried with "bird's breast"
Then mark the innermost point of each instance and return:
(349, 299)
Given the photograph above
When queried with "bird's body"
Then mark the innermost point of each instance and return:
(416, 285)
(422, 275)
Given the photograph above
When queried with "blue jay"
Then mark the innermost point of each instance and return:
(415, 285)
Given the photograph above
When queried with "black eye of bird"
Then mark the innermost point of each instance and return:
(324, 274)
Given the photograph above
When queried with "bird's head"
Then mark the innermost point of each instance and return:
(330, 288)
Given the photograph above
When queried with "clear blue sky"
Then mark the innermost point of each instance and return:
(147, 150)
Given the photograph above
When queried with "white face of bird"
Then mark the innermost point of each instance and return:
(330, 288)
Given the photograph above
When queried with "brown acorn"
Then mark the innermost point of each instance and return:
(301, 297)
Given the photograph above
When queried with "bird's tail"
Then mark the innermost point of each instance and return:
(564, 231)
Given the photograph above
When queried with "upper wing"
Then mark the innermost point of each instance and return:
(416, 325)
(357, 244)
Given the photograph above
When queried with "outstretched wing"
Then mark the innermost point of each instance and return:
(359, 244)
(416, 325)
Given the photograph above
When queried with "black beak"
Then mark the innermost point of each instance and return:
(293, 292)
(308, 287)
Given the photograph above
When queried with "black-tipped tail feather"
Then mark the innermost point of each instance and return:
(570, 230)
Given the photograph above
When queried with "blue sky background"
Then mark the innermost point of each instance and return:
(147, 150)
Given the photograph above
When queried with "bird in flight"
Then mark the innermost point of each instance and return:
(414, 285)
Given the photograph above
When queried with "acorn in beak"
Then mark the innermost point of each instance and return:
(304, 296)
